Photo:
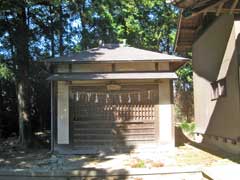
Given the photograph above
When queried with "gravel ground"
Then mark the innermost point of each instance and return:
(12, 157)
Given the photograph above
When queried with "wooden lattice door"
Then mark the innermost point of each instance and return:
(120, 119)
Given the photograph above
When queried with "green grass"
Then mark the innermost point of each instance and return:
(188, 127)
(138, 163)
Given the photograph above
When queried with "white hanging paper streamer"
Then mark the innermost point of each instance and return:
(149, 94)
(120, 98)
(96, 98)
(107, 97)
(77, 96)
(129, 98)
(88, 96)
(139, 97)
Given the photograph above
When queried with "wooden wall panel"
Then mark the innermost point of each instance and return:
(113, 118)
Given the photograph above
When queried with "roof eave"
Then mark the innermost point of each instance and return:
(178, 31)
(113, 76)
(114, 61)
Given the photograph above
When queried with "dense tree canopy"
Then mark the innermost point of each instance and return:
(60, 26)
(37, 29)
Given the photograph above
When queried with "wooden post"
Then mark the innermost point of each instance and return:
(52, 117)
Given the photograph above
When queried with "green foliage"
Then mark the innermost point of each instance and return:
(184, 93)
(138, 163)
(5, 72)
(185, 75)
(187, 127)
(35, 29)
(148, 24)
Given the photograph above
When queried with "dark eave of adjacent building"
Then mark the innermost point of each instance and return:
(194, 7)
(194, 17)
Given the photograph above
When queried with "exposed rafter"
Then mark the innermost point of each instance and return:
(234, 5)
(225, 11)
(195, 14)
(205, 8)
(219, 9)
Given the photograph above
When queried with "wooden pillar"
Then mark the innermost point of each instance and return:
(52, 115)
(63, 113)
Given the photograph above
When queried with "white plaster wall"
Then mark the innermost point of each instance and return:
(62, 68)
(166, 124)
(63, 113)
(120, 67)
(135, 67)
(164, 66)
(91, 68)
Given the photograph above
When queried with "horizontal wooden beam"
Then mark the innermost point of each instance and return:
(204, 9)
(183, 50)
(219, 8)
(184, 46)
(188, 30)
(234, 5)
(113, 76)
(188, 43)
(225, 11)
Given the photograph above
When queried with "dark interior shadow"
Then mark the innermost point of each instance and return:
(180, 138)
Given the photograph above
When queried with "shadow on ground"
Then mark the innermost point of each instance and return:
(181, 139)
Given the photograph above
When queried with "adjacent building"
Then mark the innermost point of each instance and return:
(210, 30)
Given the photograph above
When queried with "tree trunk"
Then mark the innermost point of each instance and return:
(61, 47)
(84, 32)
(1, 97)
(52, 31)
(22, 78)
(25, 130)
